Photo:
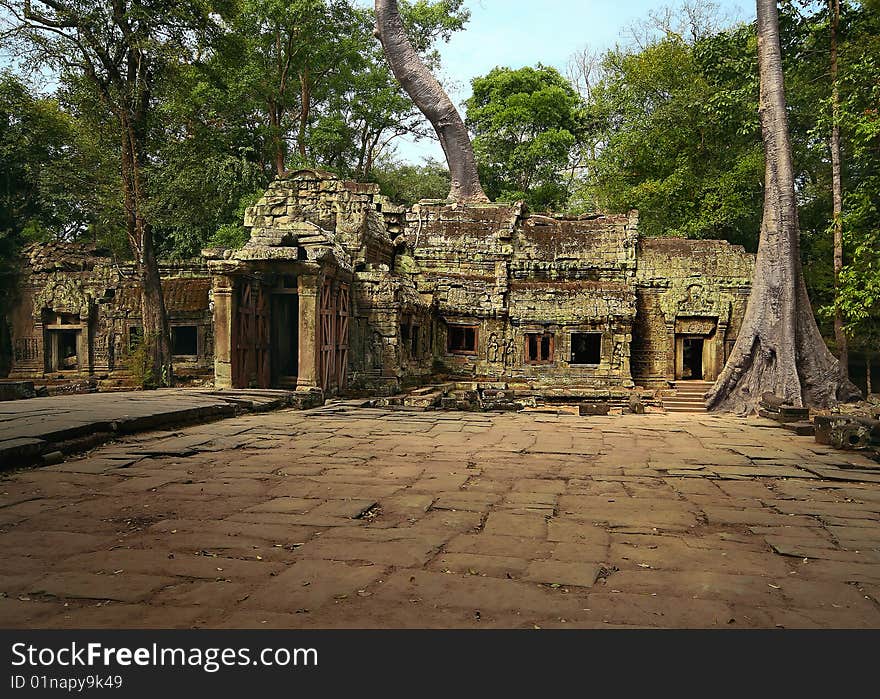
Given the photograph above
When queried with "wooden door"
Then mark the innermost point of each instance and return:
(327, 339)
(342, 323)
(251, 367)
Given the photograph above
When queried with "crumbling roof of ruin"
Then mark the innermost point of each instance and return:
(186, 294)
(309, 174)
(56, 256)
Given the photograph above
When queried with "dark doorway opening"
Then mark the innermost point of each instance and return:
(692, 359)
(67, 350)
(285, 339)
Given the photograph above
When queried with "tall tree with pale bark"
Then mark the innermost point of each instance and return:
(427, 94)
(779, 349)
(840, 338)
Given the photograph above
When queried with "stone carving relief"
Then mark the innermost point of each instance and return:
(27, 349)
(696, 301)
(619, 353)
(102, 348)
(374, 352)
(695, 326)
(116, 353)
(63, 296)
(493, 349)
(509, 353)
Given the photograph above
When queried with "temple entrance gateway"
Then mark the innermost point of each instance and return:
(64, 343)
(692, 359)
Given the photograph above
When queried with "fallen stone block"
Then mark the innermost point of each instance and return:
(800, 428)
(16, 390)
(601, 408)
(846, 432)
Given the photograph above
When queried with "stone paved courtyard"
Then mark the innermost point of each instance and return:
(351, 517)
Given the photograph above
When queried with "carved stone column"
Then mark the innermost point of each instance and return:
(672, 350)
(308, 287)
(719, 359)
(224, 309)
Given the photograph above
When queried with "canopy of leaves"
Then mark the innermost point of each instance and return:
(679, 137)
(525, 123)
(407, 184)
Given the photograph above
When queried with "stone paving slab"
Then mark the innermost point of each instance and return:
(345, 517)
(30, 428)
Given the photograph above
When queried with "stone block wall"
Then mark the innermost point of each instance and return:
(524, 288)
(76, 313)
(694, 288)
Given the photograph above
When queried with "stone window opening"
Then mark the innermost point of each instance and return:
(462, 339)
(539, 348)
(184, 340)
(405, 324)
(586, 348)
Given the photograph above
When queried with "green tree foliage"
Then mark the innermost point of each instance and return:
(42, 183)
(407, 184)
(525, 123)
(860, 124)
(677, 124)
(283, 85)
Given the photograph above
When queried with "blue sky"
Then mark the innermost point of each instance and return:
(516, 33)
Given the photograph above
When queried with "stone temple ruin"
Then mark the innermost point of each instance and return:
(340, 290)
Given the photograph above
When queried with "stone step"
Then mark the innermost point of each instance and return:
(684, 404)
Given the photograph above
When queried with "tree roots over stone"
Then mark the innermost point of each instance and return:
(779, 348)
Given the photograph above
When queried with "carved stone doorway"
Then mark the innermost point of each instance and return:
(66, 348)
(690, 366)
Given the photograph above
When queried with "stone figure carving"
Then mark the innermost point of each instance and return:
(376, 351)
(509, 353)
(619, 353)
(493, 348)
(116, 356)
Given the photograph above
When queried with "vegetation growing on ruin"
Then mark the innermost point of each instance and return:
(665, 122)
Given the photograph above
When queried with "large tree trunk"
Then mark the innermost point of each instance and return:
(275, 117)
(779, 349)
(432, 100)
(837, 194)
(305, 92)
(156, 336)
